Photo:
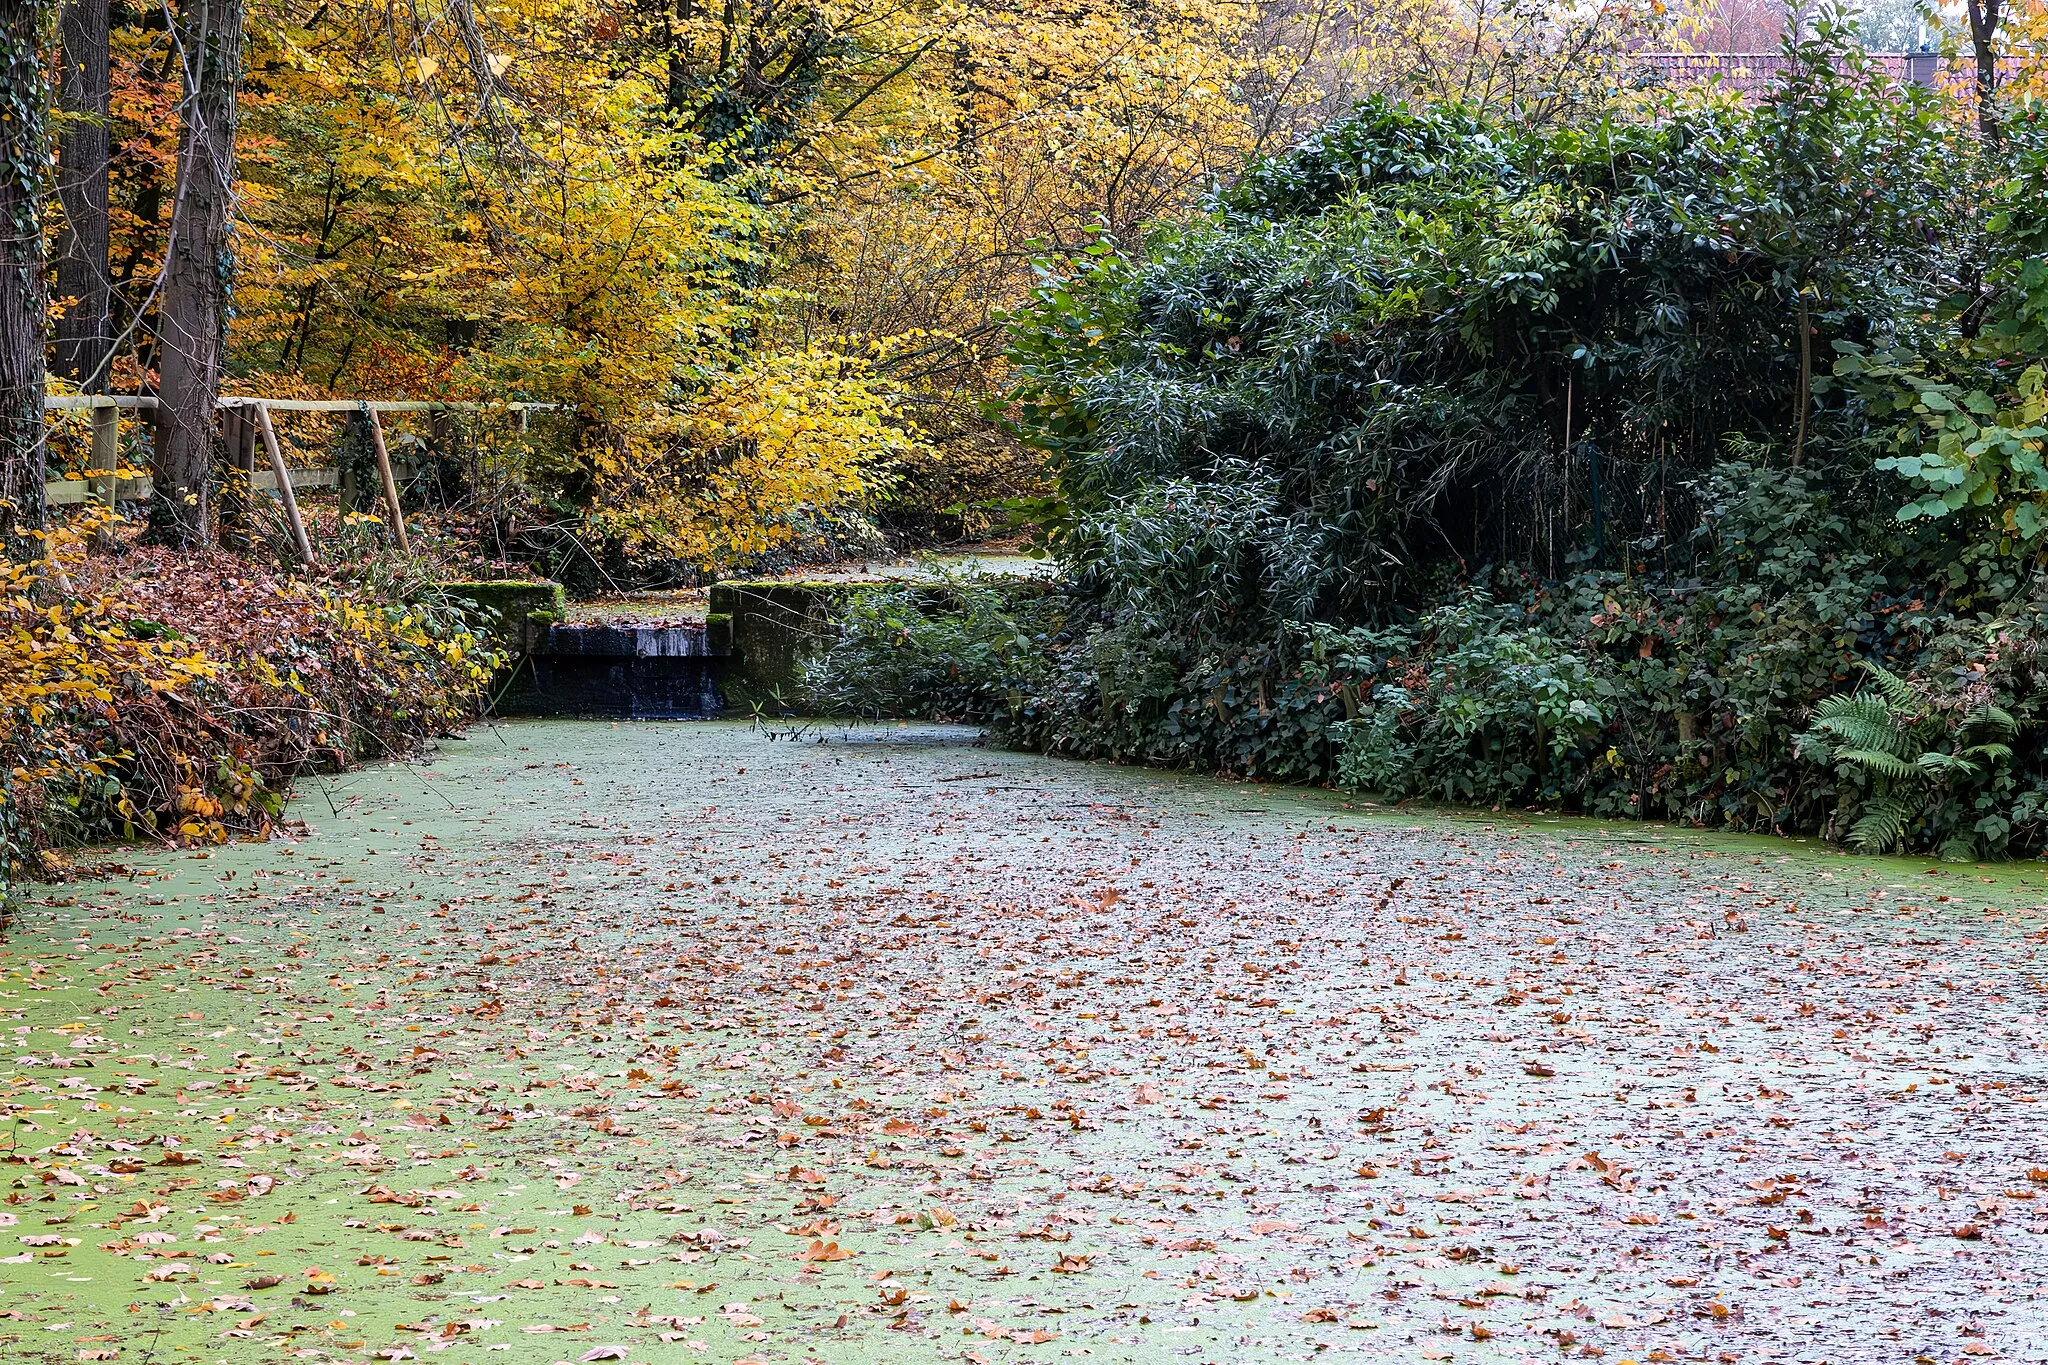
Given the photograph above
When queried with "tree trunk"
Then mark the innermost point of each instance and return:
(192, 315)
(1984, 16)
(85, 334)
(1805, 380)
(24, 297)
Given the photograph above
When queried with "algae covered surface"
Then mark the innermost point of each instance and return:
(681, 1042)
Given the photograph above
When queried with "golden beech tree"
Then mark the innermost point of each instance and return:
(786, 430)
(955, 140)
(505, 209)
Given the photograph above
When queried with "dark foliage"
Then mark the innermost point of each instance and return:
(1460, 461)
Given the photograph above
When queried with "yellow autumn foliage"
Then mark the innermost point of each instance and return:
(785, 433)
(677, 223)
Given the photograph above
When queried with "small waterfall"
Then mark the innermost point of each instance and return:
(685, 641)
(642, 672)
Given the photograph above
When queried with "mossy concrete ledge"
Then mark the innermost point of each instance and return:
(768, 629)
(522, 608)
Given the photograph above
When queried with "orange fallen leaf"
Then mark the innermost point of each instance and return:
(820, 1250)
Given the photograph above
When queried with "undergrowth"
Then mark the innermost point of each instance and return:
(173, 696)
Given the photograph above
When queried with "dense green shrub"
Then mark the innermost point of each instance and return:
(1425, 340)
(965, 648)
(1454, 460)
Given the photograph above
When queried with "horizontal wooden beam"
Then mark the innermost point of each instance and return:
(71, 402)
(265, 481)
(376, 405)
(77, 492)
(72, 492)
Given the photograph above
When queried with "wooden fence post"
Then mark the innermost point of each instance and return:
(284, 484)
(390, 484)
(106, 451)
(235, 491)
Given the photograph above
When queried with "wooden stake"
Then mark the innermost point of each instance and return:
(390, 484)
(284, 484)
(106, 449)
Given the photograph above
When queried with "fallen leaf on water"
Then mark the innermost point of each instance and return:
(823, 1251)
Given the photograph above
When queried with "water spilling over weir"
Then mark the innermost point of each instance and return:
(638, 672)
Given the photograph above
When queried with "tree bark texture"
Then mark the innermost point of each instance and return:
(24, 297)
(192, 313)
(85, 333)
(1983, 16)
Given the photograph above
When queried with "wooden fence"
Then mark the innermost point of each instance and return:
(245, 421)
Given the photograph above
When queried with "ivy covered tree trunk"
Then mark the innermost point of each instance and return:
(24, 312)
(192, 315)
(85, 333)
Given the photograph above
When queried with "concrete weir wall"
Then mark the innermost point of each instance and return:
(656, 672)
(768, 629)
(568, 668)
(749, 649)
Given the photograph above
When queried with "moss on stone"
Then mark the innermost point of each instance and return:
(522, 608)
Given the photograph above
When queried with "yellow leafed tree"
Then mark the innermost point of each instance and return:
(479, 213)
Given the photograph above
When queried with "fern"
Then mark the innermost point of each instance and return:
(1898, 693)
(1889, 733)
(1865, 721)
(1996, 718)
(1881, 825)
(1882, 763)
(1946, 765)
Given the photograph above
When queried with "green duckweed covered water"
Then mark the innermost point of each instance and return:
(681, 1043)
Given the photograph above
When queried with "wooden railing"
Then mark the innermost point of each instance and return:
(243, 420)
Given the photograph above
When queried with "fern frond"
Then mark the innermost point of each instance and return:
(1880, 826)
(1881, 762)
(1987, 753)
(1993, 718)
(1946, 765)
(1864, 721)
(1896, 690)
(1957, 849)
